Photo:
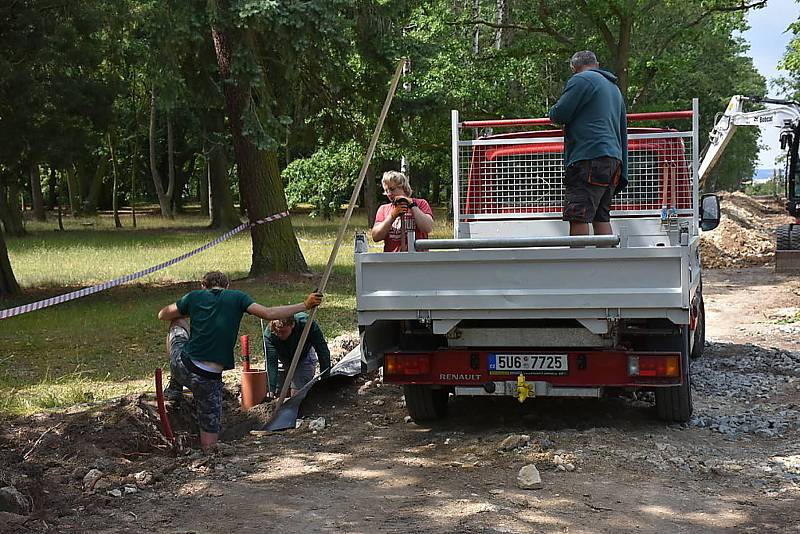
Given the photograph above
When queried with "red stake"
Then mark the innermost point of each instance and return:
(162, 409)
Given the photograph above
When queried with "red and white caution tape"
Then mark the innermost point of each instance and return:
(52, 301)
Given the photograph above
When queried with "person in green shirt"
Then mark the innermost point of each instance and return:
(199, 354)
(282, 337)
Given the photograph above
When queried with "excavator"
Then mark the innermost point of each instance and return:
(783, 114)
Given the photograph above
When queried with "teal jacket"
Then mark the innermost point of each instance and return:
(592, 110)
(278, 349)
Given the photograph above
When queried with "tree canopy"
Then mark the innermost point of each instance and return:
(149, 81)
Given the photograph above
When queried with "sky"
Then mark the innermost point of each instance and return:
(768, 39)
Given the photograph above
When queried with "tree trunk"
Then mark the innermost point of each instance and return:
(436, 190)
(114, 205)
(370, 195)
(275, 246)
(8, 282)
(73, 191)
(502, 37)
(202, 187)
(37, 198)
(58, 206)
(96, 188)
(52, 183)
(223, 212)
(134, 160)
(163, 198)
(476, 31)
(184, 170)
(622, 55)
(9, 209)
(170, 164)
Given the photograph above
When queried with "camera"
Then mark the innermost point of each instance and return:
(401, 201)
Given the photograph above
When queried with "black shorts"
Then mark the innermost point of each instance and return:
(588, 189)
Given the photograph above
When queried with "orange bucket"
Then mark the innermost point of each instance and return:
(254, 388)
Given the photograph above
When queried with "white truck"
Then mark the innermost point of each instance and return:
(512, 305)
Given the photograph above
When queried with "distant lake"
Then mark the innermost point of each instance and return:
(762, 175)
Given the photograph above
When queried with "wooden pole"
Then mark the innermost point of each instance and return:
(342, 228)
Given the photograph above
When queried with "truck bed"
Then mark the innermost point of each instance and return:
(590, 283)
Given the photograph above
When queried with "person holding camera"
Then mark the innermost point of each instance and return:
(402, 213)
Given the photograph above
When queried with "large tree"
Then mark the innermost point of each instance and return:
(275, 246)
(8, 283)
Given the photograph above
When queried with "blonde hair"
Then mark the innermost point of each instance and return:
(397, 179)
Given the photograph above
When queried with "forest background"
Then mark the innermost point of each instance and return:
(247, 107)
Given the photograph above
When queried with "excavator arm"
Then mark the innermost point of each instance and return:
(784, 114)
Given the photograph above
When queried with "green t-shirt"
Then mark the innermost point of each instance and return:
(215, 314)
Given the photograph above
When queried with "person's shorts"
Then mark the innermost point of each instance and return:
(206, 386)
(305, 372)
(588, 189)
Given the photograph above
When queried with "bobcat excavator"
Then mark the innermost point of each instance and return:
(784, 114)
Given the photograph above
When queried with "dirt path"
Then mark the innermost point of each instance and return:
(606, 466)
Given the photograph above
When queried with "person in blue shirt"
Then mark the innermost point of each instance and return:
(199, 354)
(592, 111)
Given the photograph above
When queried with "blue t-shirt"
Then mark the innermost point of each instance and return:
(215, 314)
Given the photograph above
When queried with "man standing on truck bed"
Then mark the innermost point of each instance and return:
(592, 110)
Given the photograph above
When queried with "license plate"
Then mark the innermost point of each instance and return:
(542, 364)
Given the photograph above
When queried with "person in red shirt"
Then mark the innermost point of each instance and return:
(402, 208)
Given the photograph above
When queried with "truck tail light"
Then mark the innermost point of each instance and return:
(408, 364)
(654, 366)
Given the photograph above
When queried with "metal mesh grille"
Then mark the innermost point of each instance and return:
(524, 177)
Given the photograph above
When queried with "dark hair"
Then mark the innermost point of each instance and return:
(584, 58)
(214, 279)
(276, 324)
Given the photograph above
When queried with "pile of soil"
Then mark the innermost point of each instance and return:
(46, 457)
(746, 233)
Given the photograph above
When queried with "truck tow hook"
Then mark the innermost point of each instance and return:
(523, 388)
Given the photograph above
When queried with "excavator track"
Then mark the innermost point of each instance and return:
(787, 248)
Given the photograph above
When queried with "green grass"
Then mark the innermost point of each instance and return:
(108, 344)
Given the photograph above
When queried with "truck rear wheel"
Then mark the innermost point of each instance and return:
(425, 403)
(674, 404)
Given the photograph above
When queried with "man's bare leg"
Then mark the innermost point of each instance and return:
(602, 228)
(578, 228)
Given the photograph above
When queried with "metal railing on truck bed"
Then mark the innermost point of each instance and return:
(517, 177)
(508, 196)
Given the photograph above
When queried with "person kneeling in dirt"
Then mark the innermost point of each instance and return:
(282, 337)
(199, 354)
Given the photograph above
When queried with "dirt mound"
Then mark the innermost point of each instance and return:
(49, 457)
(746, 233)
